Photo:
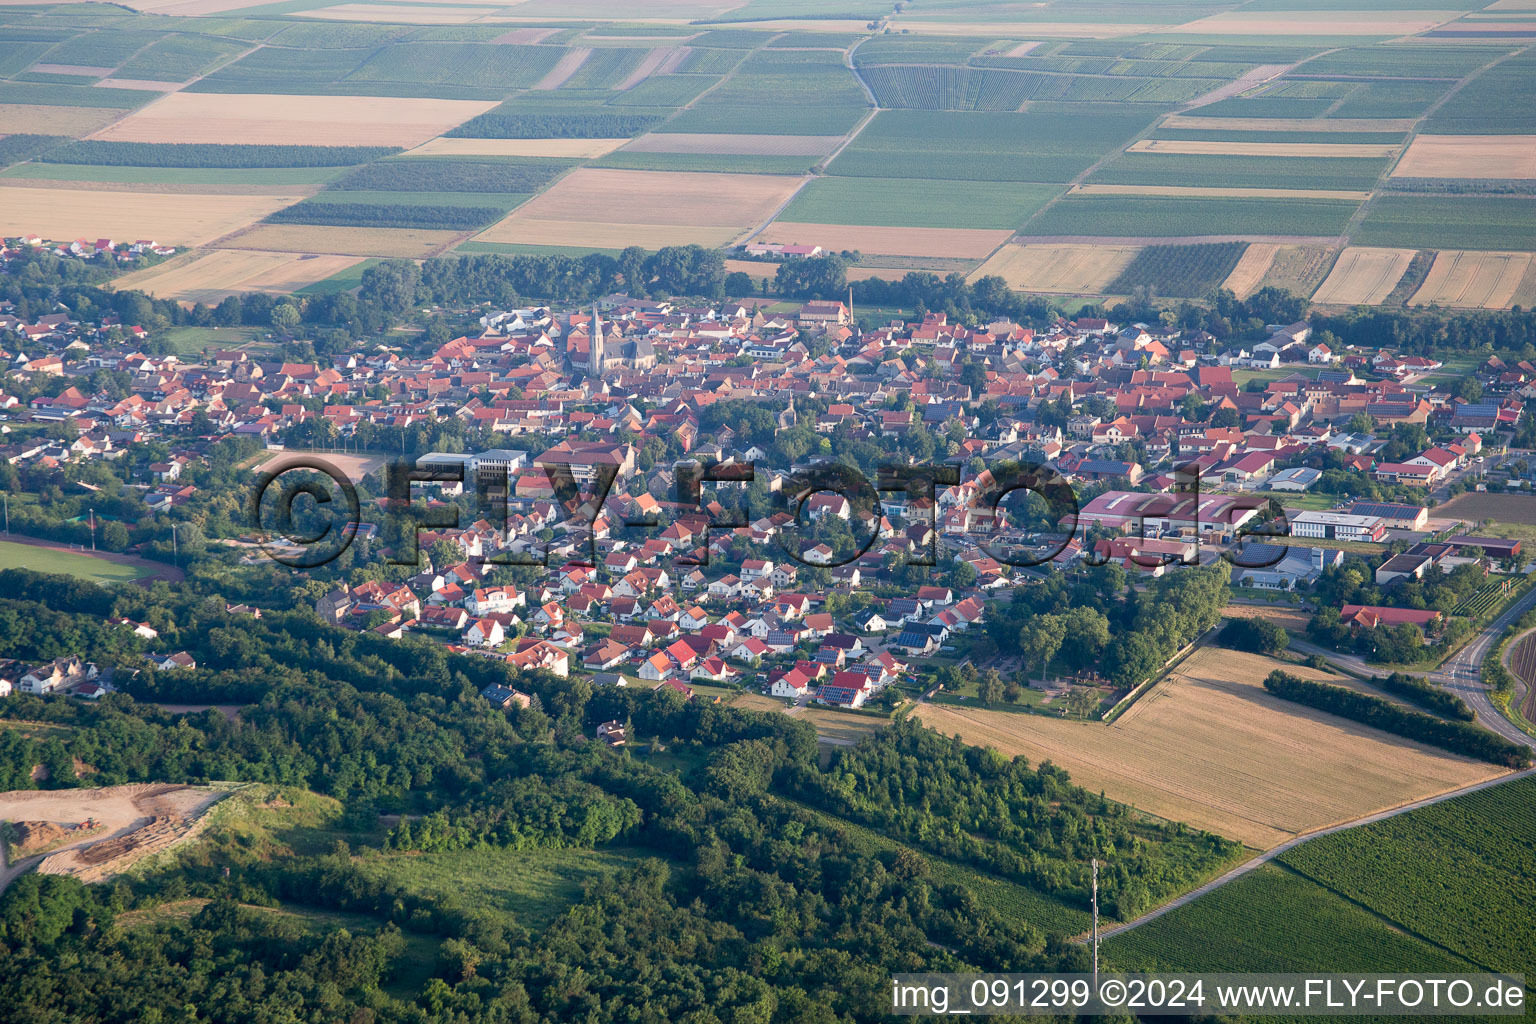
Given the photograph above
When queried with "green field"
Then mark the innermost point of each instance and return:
(1442, 888)
(1450, 222)
(529, 886)
(68, 563)
(911, 202)
(192, 340)
(727, 162)
(941, 145)
(1342, 173)
(768, 119)
(1274, 920)
(1132, 216)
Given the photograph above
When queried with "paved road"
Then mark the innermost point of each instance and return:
(1269, 855)
(1462, 674)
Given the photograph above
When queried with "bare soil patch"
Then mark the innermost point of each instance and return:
(1314, 23)
(1363, 275)
(1504, 508)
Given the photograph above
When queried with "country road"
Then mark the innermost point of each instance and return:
(1269, 855)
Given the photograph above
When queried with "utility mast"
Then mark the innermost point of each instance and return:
(1095, 924)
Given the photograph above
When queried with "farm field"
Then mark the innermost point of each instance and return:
(209, 276)
(1298, 268)
(1363, 275)
(614, 208)
(1305, 174)
(947, 145)
(1340, 125)
(416, 243)
(1215, 192)
(1173, 217)
(1308, 150)
(83, 564)
(1504, 508)
(1068, 269)
(1248, 273)
(734, 145)
(43, 119)
(1469, 156)
(911, 202)
(1210, 747)
(1179, 270)
(936, 243)
(579, 149)
(1479, 280)
(1457, 872)
(211, 177)
(292, 120)
(1239, 927)
(183, 218)
(1450, 222)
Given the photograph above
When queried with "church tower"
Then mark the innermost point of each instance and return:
(595, 347)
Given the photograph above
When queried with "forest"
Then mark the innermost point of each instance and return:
(746, 906)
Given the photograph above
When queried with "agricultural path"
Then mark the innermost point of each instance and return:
(1269, 855)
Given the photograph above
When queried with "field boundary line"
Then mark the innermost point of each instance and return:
(1271, 854)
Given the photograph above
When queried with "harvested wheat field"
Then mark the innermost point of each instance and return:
(1068, 268)
(414, 243)
(1363, 275)
(1200, 147)
(577, 149)
(735, 145)
(1288, 124)
(615, 208)
(1293, 619)
(1212, 748)
(1216, 192)
(1248, 275)
(292, 120)
(1314, 23)
(209, 276)
(21, 118)
(936, 243)
(1469, 156)
(1477, 280)
(170, 218)
(130, 822)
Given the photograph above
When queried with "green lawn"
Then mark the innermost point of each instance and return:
(192, 340)
(69, 563)
(532, 886)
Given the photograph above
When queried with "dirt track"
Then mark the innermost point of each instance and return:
(136, 820)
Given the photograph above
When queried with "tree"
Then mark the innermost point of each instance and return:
(1040, 639)
(992, 689)
(285, 316)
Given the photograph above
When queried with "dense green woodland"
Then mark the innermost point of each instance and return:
(753, 908)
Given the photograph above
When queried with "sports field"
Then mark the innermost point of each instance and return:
(1211, 747)
(86, 566)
